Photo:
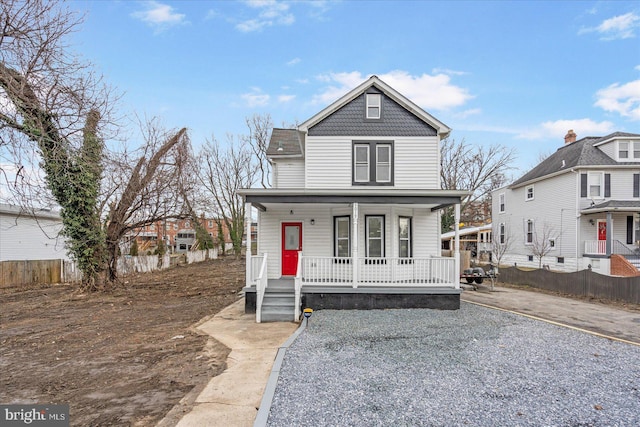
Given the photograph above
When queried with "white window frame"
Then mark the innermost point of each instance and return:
(529, 229)
(502, 233)
(357, 163)
(380, 164)
(590, 183)
(368, 238)
(528, 193)
(634, 150)
(623, 147)
(502, 205)
(374, 105)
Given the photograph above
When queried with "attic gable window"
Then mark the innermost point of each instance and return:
(374, 106)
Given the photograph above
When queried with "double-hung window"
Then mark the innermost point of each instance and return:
(374, 236)
(636, 150)
(372, 163)
(342, 236)
(529, 232)
(374, 106)
(501, 203)
(623, 150)
(404, 234)
(529, 193)
(501, 233)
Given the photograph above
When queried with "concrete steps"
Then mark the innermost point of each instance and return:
(279, 302)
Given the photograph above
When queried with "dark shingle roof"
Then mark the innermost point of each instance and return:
(579, 153)
(286, 142)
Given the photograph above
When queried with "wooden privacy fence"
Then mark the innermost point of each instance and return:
(41, 272)
(581, 283)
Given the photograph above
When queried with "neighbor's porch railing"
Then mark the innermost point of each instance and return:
(261, 286)
(338, 271)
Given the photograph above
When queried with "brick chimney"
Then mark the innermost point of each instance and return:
(570, 137)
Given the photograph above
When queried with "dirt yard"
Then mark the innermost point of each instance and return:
(124, 358)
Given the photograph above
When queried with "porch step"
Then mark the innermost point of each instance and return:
(278, 304)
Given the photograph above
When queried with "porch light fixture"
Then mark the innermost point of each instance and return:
(280, 147)
(592, 222)
(313, 221)
(291, 212)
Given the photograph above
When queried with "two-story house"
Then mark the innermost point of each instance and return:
(577, 209)
(353, 218)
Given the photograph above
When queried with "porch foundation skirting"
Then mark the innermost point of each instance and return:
(369, 298)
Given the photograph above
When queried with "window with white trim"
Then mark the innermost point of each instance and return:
(372, 163)
(636, 150)
(502, 233)
(502, 207)
(404, 235)
(528, 193)
(342, 236)
(374, 233)
(374, 106)
(596, 181)
(529, 232)
(623, 150)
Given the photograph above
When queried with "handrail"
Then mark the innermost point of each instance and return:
(298, 289)
(261, 287)
(620, 248)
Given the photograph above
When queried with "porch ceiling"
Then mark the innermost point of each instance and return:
(613, 206)
(434, 199)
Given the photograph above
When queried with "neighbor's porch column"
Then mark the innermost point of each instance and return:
(609, 233)
(247, 221)
(456, 256)
(354, 245)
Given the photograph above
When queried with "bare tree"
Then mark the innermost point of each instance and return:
(542, 242)
(142, 188)
(501, 240)
(259, 131)
(224, 171)
(475, 168)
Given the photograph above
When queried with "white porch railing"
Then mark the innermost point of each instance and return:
(595, 247)
(336, 271)
(254, 270)
(297, 289)
(261, 286)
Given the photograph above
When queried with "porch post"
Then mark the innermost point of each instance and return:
(456, 256)
(354, 245)
(609, 233)
(247, 220)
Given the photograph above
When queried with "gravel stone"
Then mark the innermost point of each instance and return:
(474, 366)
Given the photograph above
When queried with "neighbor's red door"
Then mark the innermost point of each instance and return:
(602, 237)
(291, 244)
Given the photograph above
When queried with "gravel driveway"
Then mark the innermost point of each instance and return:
(474, 366)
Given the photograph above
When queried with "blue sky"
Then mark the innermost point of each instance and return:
(518, 74)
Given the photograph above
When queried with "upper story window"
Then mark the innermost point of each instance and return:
(374, 105)
(636, 185)
(629, 151)
(529, 193)
(501, 233)
(501, 202)
(372, 163)
(529, 232)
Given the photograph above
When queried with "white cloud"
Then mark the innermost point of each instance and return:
(429, 92)
(286, 98)
(448, 72)
(271, 12)
(256, 98)
(558, 129)
(159, 16)
(622, 99)
(637, 68)
(294, 61)
(618, 27)
(467, 113)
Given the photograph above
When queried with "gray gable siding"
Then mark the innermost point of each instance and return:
(350, 121)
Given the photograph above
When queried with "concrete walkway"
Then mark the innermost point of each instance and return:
(233, 397)
(607, 320)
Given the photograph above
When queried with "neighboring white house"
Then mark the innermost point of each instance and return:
(581, 206)
(30, 235)
(353, 218)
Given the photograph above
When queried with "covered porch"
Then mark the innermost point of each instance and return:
(357, 249)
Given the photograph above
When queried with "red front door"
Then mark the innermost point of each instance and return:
(602, 237)
(291, 244)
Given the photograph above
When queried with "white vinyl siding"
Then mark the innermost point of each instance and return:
(24, 238)
(289, 174)
(329, 162)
